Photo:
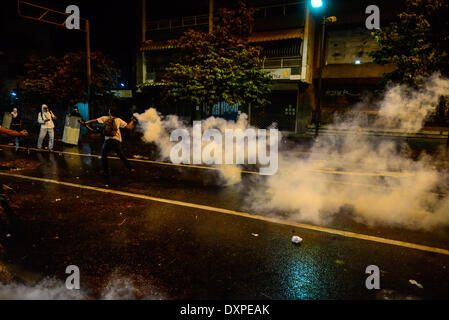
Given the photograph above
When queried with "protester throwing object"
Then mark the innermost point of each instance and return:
(113, 138)
(45, 118)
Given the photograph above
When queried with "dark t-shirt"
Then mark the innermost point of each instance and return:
(15, 122)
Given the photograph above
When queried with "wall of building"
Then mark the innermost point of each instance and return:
(347, 42)
(349, 75)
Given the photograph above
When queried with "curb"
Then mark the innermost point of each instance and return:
(439, 135)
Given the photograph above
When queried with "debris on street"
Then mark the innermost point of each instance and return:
(414, 282)
(296, 239)
(5, 187)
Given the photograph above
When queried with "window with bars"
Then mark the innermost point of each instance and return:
(278, 63)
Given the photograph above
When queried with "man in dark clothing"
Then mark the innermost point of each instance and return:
(16, 124)
(75, 113)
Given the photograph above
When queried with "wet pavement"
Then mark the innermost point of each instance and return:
(177, 251)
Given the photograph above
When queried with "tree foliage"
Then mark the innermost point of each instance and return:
(220, 66)
(418, 43)
(63, 80)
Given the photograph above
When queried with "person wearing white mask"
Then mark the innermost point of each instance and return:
(45, 118)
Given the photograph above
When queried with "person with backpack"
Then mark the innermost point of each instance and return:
(45, 118)
(113, 138)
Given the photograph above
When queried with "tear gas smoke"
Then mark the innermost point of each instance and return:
(116, 288)
(157, 129)
(406, 108)
(47, 289)
(373, 179)
(386, 186)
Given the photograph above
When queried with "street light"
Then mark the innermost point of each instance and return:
(324, 20)
(317, 3)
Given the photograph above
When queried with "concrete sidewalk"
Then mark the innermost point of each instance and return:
(426, 133)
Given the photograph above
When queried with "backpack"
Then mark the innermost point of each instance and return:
(109, 129)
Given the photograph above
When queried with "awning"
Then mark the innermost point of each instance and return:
(276, 35)
(150, 45)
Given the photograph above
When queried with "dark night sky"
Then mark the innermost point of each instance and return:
(113, 31)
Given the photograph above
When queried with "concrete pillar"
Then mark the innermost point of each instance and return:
(306, 95)
(144, 37)
(306, 103)
(308, 48)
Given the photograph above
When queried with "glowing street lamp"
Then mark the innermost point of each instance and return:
(317, 3)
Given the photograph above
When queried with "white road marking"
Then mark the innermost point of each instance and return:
(323, 171)
(347, 234)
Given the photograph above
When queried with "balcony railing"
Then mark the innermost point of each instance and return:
(182, 22)
(155, 71)
(203, 19)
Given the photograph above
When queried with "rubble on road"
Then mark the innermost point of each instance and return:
(296, 239)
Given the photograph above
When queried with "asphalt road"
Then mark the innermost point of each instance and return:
(170, 232)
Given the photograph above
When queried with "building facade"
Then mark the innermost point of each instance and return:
(290, 35)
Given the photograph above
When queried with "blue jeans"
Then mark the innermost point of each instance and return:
(114, 146)
(51, 137)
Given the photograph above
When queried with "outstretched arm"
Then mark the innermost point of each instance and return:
(84, 124)
(89, 121)
(14, 133)
(130, 124)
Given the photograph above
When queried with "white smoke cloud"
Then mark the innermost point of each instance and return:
(407, 108)
(157, 129)
(379, 182)
(116, 288)
(47, 289)
(386, 186)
